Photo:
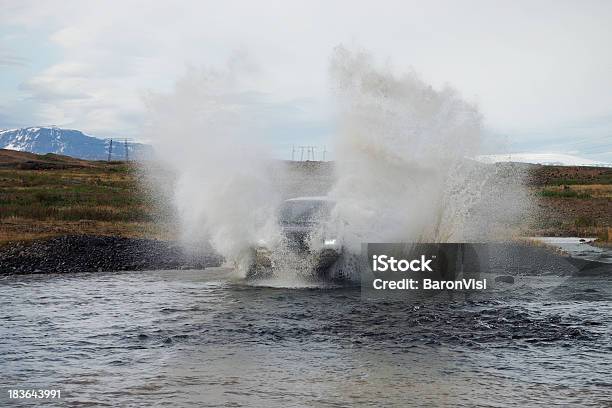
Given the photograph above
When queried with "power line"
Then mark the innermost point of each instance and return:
(110, 149)
(308, 152)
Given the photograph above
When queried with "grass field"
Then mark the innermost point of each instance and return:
(572, 201)
(49, 195)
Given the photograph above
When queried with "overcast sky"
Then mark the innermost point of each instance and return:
(540, 71)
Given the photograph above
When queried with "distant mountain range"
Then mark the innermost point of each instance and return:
(74, 143)
(550, 159)
(69, 142)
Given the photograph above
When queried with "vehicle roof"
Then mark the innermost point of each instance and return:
(313, 198)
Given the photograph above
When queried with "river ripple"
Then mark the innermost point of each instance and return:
(204, 338)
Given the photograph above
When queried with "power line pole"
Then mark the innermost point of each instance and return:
(311, 152)
(110, 149)
(324, 151)
(126, 151)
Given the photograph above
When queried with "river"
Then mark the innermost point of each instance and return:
(206, 338)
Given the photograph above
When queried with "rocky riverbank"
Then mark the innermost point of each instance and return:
(89, 253)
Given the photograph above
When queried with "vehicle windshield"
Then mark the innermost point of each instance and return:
(304, 211)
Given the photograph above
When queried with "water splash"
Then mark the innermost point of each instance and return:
(403, 170)
(404, 158)
(206, 131)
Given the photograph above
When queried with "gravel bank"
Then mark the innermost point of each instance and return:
(87, 253)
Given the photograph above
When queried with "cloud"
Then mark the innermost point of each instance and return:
(9, 58)
(590, 137)
(520, 62)
(12, 60)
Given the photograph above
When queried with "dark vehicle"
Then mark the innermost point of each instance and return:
(308, 233)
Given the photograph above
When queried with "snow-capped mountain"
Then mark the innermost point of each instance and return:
(68, 142)
(550, 159)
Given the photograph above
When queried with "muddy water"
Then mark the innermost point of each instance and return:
(203, 338)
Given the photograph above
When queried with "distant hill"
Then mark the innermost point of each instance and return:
(12, 159)
(548, 159)
(67, 142)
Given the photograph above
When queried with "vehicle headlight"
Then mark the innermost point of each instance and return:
(329, 242)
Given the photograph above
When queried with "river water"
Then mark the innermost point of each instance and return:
(205, 338)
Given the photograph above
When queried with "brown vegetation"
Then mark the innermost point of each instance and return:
(572, 201)
(51, 195)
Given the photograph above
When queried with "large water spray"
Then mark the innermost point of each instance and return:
(206, 131)
(404, 168)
